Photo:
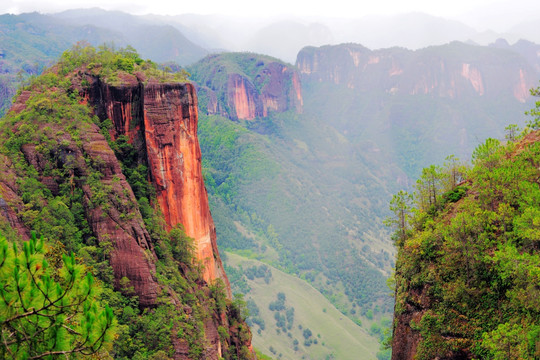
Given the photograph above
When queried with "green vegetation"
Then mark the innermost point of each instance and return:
(284, 189)
(49, 305)
(471, 251)
(255, 186)
(31, 42)
(283, 315)
(534, 123)
(336, 335)
(110, 65)
(48, 139)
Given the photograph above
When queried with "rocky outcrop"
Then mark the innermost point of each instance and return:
(242, 98)
(453, 299)
(405, 338)
(246, 86)
(174, 157)
(121, 224)
(10, 203)
(451, 71)
(160, 120)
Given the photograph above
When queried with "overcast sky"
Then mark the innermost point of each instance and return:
(476, 12)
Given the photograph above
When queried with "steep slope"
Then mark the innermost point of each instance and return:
(80, 144)
(303, 307)
(453, 71)
(417, 105)
(467, 279)
(161, 119)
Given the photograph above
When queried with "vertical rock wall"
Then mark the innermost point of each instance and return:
(174, 158)
(449, 71)
(245, 86)
(160, 120)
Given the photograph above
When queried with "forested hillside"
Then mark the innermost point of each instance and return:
(386, 128)
(299, 160)
(467, 274)
(284, 189)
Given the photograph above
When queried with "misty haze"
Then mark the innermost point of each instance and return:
(316, 183)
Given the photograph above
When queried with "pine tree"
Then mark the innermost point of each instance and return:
(400, 205)
(48, 312)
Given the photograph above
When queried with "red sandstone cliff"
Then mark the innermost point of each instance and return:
(405, 339)
(174, 157)
(66, 174)
(119, 223)
(279, 91)
(161, 122)
(246, 86)
(450, 71)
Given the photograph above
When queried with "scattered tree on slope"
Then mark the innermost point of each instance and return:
(470, 261)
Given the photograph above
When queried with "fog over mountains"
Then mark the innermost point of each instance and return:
(284, 36)
(307, 126)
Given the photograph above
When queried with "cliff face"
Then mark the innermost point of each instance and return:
(132, 252)
(247, 86)
(10, 203)
(161, 121)
(397, 99)
(174, 156)
(405, 338)
(63, 176)
(450, 71)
